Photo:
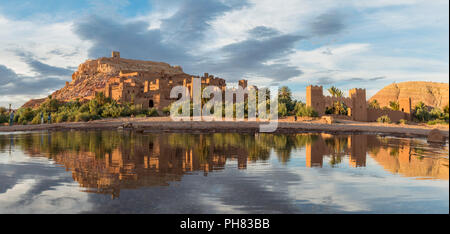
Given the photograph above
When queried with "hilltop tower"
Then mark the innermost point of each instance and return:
(115, 54)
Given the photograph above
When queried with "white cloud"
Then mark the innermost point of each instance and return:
(41, 39)
(361, 61)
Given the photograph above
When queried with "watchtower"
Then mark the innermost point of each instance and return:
(314, 99)
(405, 106)
(359, 104)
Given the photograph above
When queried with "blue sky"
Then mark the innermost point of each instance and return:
(367, 44)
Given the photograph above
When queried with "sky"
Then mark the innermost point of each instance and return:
(294, 43)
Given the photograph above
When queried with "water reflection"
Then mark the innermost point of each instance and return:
(107, 162)
(407, 157)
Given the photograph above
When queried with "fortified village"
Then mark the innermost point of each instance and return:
(143, 83)
(357, 106)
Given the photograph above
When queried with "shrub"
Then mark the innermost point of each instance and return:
(84, 117)
(384, 119)
(84, 108)
(282, 110)
(403, 121)
(436, 113)
(152, 112)
(36, 119)
(24, 115)
(305, 111)
(61, 117)
(4, 116)
(112, 110)
(71, 117)
(421, 112)
(166, 110)
(437, 121)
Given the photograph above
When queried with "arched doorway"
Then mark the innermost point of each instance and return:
(150, 104)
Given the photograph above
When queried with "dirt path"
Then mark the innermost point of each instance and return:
(164, 124)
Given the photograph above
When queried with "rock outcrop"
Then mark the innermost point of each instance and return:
(435, 136)
(433, 94)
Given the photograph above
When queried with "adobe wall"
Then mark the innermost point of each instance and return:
(356, 102)
(150, 91)
(395, 116)
(405, 105)
(329, 100)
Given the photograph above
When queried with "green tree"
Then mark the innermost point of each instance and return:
(304, 111)
(285, 97)
(421, 112)
(282, 110)
(446, 109)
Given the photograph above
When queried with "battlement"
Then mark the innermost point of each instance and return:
(357, 90)
(315, 87)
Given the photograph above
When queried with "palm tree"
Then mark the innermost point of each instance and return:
(285, 92)
(374, 104)
(335, 92)
(285, 97)
(394, 105)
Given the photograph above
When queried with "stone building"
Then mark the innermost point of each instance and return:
(357, 106)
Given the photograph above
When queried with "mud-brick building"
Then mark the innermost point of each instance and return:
(152, 90)
(356, 102)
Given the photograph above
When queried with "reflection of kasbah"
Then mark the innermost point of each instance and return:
(150, 162)
(110, 161)
(410, 162)
(403, 160)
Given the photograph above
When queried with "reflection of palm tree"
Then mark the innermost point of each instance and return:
(335, 160)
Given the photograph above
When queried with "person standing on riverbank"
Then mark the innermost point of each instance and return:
(11, 118)
(49, 118)
(42, 117)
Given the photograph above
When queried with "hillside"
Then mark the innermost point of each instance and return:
(431, 93)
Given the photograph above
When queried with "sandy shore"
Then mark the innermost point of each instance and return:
(164, 124)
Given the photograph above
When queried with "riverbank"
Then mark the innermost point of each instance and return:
(165, 124)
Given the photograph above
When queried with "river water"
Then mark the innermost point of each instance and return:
(128, 172)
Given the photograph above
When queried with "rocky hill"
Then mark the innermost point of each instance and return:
(433, 94)
(92, 76)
